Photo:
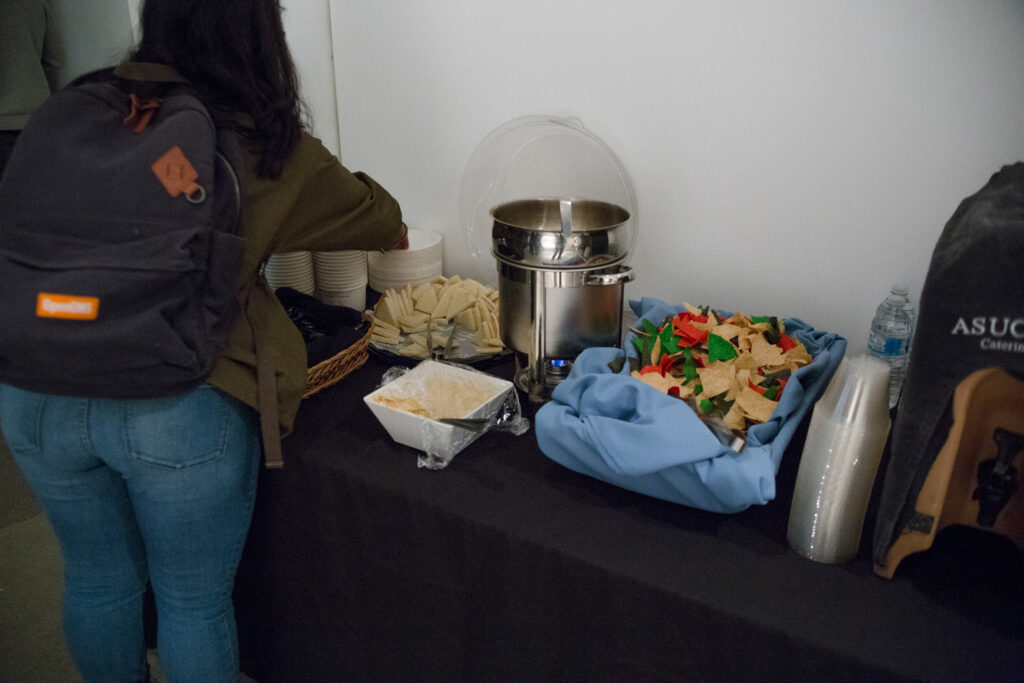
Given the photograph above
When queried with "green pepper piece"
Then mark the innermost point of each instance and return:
(669, 340)
(689, 364)
(720, 349)
(638, 343)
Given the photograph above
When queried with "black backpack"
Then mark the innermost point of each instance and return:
(120, 245)
(971, 318)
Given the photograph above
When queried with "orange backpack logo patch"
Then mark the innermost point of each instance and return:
(67, 307)
(176, 173)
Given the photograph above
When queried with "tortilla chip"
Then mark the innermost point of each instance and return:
(740, 319)
(735, 418)
(727, 331)
(662, 382)
(757, 407)
(717, 378)
(738, 380)
(691, 308)
(765, 353)
(746, 362)
(799, 355)
(743, 376)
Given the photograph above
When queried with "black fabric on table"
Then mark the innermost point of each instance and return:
(327, 330)
(507, 566)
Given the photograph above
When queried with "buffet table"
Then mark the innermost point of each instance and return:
(507, 566)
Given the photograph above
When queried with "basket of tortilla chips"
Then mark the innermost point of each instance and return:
(697, 407)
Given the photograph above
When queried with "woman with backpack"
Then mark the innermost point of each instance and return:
(161, 490)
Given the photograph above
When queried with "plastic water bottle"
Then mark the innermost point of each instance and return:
(890, 335)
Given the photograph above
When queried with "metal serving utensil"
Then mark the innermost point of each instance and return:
(472, 424)
(451, 339)
(430, 338)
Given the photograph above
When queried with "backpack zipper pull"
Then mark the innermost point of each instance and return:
(141, 113)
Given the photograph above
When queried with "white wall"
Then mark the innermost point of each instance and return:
(307, 26)
(99, 33)
(792, 157)
(95, 34)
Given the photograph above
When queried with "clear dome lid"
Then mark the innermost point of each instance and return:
(537, 157)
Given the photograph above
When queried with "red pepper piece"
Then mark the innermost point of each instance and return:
(666, 364)
(688, 334)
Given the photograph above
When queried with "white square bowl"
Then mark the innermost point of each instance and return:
(433, 386)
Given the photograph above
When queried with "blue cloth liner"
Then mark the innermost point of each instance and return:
(613, 427)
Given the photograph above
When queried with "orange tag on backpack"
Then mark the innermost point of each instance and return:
(175, 172)
(67, 306)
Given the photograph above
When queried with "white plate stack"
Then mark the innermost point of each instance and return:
(421, 262)
(341, 278)
(291, 269)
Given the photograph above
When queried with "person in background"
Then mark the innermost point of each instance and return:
(31, 56)
(162, 490)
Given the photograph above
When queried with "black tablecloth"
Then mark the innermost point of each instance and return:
(506, 566)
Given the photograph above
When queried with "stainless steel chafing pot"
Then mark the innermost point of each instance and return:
(561, 281)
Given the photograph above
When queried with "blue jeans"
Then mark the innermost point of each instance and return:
(157, 489)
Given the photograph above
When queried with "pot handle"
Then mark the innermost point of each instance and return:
(622, 276)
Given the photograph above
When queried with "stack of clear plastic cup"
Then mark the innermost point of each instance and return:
(845, 440)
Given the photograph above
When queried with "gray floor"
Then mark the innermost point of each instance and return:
(32, 646)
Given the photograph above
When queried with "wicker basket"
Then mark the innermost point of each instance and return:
(332, 370)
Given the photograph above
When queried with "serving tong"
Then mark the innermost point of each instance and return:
(472, 424)
(444, 352)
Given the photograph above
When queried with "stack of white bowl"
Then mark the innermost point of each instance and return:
(421, 262)
(291, 269)
(341, 278)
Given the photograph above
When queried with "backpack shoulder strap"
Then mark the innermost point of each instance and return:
(150, 72)
(266, 382)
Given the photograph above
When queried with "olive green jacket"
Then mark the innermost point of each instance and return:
(316, 205)
(31, 57)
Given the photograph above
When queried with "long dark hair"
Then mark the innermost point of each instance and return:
(234, 53)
